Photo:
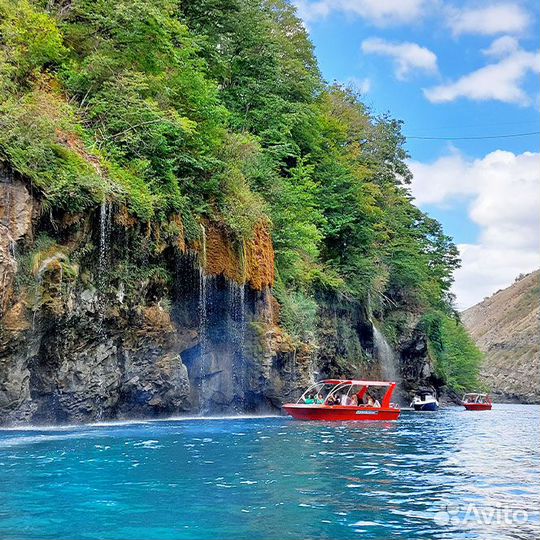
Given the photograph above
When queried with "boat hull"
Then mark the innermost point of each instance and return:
(339, 413)
(432, 406)
(477, 406)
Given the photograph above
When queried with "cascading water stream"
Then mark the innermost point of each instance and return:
(203, 337)
(203, 324)
(242, 321)
(386, 357)
(222, 370)
(237, 295)
(237, 303)
(105, 227)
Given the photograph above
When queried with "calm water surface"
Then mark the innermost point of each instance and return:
(446, 475)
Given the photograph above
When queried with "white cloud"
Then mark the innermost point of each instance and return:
(489, 20)
(502, 46)
(407, 56)
(378, 12)
(502, 191)
(501, 81)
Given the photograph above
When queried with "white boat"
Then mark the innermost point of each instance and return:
(424, 401)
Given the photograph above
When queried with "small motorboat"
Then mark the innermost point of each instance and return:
(424, 401)
(338, 400)
(476, 402)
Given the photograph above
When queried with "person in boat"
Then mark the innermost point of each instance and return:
(319, 399)
(333, 400)
(371, 402)
(354, 401)
(309, 399)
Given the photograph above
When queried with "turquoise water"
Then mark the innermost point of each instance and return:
(429, 475)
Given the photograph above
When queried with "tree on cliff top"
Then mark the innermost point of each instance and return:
(216, 109)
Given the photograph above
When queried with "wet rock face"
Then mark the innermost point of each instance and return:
(351, 347)
(242, 361)
(415, 364)
(83, 339)
(69, 353)
(76, 346)
(16, 209)
(255, 267)
(417, 370)
(82, 367)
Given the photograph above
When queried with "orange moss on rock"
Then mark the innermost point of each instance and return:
(221, 255)
(259, 254)
(252, 263)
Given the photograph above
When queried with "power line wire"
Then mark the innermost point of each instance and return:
(505, 136)
(482, 124)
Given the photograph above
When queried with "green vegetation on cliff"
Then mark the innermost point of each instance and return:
(458, 359)
(215, 109)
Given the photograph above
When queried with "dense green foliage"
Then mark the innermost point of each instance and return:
(216, 109)
(457, 358)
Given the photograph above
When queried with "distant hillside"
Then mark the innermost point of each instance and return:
(505, 327)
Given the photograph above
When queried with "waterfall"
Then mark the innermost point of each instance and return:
(386, 357)
(203, 336)
(203, 247)
(237, 310)
(268, 311)
(237, 297)
(220, 369)
(203, 300)
(203, 324)
(242, 322)
(105, 227)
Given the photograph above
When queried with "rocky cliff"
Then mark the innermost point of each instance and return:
(505, 327)
(104, 317)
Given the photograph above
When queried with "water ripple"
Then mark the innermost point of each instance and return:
(449, 475)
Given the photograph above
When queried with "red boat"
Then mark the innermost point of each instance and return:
(338, 400)
(477, 402)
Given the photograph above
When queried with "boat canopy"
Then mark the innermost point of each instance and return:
(474, 397)
(320, 392)
(356, 382)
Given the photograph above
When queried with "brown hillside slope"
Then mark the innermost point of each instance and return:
(506, 328)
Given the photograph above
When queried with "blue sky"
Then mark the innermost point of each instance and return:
(452, 69)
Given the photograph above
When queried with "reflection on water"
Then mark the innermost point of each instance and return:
(450, 474)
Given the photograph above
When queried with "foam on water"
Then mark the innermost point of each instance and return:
(113, 423)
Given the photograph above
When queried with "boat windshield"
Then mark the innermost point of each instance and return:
(318, 392)
(348, 393)
(475, 398)
(336, 392)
